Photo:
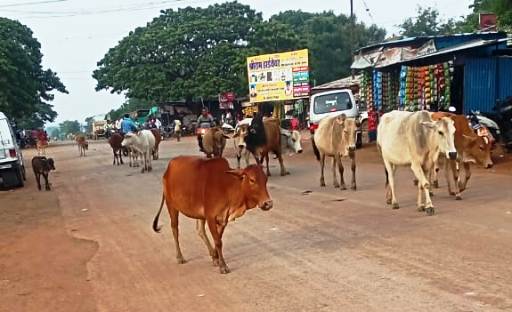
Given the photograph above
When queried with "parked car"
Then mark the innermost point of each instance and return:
(12, 167)
(333, 103)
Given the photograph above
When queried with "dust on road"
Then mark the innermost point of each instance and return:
(88, 245)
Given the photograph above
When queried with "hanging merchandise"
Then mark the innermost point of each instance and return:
(425, 87)
(403, 87)
(377, 90)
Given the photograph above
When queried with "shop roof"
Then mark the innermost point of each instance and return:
(343, 83)
(419, 40)
(384, 57)
(461, 47)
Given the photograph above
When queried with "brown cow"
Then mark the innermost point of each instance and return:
(262, 137)
(42, 167)
(115, 143)
(210, 191)
(83, 145)
(214, 142)
(470, 148)
(158, 139)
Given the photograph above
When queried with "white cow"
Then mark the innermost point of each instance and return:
(143, 143)
(406, 138)
(292, 139)
(336, 138)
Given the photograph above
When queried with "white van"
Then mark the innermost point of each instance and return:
(333, 103)
(12, 167)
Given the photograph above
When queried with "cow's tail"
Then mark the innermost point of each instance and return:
(157, 228)
(315, 149)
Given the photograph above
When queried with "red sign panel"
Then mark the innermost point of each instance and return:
(488, 21)
(226, 100)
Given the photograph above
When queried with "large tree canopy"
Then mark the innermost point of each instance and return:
(25, 88)
(182, 54)
(200, 52)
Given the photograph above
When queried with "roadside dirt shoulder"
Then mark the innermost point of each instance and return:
(41, 266)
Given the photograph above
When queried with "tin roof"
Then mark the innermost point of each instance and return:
(420, 39)
(343, 83)
(397, 55)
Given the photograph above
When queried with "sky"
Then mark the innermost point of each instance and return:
(76, 34)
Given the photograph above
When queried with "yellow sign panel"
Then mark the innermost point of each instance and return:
(278, 77)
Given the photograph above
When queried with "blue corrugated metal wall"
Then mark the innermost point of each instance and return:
(479, 84)
(505, 83)
(480, 88)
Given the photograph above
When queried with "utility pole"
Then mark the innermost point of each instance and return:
(351, 9)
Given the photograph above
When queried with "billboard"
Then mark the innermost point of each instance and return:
(278, 77)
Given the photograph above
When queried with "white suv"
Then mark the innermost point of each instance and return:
(12, 167)
(332, 103)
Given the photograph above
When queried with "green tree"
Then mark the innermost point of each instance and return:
(330, 39)
(25, 87)
(182, 54)
(54, 132)
(69, 127)
(89, 121)
(274, 36)
(199, 52)
(130, 105)
(427, 23)
(502, 9)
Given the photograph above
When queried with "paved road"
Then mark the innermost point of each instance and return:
(88, 244)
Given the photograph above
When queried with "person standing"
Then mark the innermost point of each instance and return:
(177, 129)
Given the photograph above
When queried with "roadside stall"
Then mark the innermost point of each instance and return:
(428, 73)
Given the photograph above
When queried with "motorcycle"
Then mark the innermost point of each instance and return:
(499, 122)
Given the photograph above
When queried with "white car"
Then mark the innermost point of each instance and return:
(12, 166)
(333, 103)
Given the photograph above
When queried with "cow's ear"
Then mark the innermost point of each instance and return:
(429, 124)
(238, 173)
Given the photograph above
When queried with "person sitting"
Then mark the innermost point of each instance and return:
(127, 125)
(205, 120)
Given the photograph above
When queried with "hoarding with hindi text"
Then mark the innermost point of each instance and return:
(278, 77)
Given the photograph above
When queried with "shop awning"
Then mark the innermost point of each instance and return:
(458, 48)
(399, 55)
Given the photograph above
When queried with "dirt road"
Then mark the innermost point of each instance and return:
(88, 244)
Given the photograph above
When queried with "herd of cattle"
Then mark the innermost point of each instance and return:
(423, 140)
